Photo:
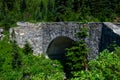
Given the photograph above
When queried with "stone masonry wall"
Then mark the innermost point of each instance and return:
(40, 35)
(93, 41)
(29, 32)
(1, 33)
(55, 29)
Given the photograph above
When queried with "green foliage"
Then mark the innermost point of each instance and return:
(27, 49)
(112, 46)
(76, 57)
(42, 76)
(41, 68)
(104, 67)
(16, 65)
(16, 61)
(12, 11)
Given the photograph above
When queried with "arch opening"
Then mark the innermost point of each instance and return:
(56, 49)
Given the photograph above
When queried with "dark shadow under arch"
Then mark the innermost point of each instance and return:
(56, 48)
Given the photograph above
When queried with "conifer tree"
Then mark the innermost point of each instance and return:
(76, 56)
(16, 62)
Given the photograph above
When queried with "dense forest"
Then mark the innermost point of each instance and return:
(12, 11)
(20, 64)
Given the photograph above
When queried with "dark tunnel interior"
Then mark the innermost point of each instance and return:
(57, 48)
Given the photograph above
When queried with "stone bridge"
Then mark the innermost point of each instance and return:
(52, 38)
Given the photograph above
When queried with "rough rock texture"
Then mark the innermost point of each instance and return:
(1, 33)
(42, 35)
(94, 38)
(31, 33)
(117, 24)
(56, 29)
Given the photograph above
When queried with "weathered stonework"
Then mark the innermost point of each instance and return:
(1, 33)
(117, 24)
(31, 33)
(42, 35)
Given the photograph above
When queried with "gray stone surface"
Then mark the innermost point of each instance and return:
(117, 24)
(29, 32)
(42, 35)
(1, 33)
(94, 38)
(113, 27)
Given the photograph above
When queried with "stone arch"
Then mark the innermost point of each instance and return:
(56, 48)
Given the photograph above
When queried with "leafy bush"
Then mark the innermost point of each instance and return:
(31, 67)
(35, 66)
(105, 67)
(27, 49)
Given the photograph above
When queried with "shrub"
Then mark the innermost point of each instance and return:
(31, 67)
(27, 49)
(105, 67)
